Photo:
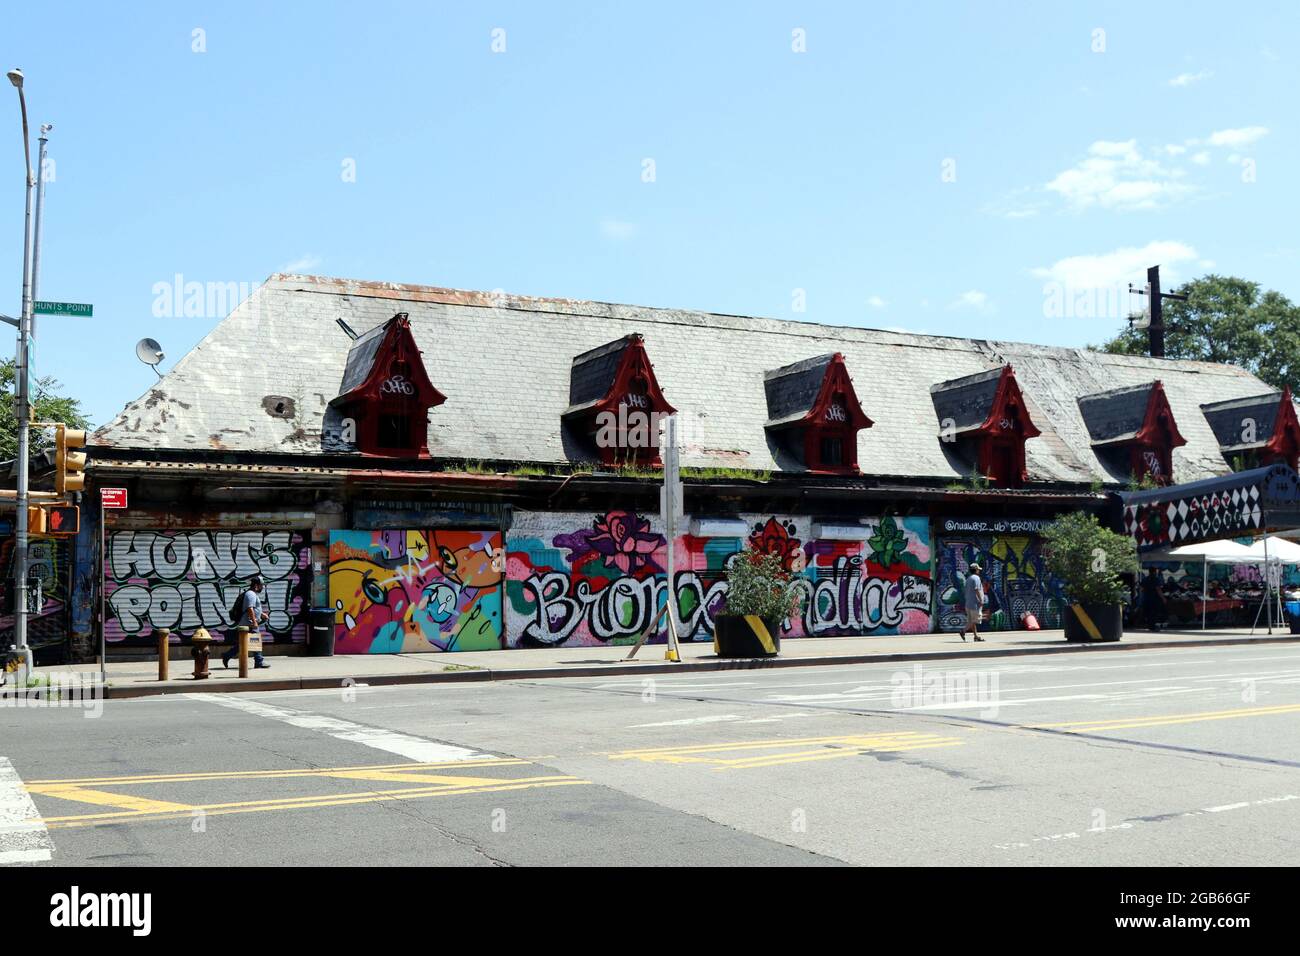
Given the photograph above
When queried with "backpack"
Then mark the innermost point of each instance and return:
(237, 609)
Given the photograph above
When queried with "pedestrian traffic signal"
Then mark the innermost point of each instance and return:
(69, 466)
(62, 519)
(35, 519)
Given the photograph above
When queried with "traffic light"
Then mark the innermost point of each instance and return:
(62, 519)
(69, 466)
(35, 519)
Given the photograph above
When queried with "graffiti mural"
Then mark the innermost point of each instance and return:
(400, 591)
(1016, 580)
(184, 580)
(48, 560)
(583, 579)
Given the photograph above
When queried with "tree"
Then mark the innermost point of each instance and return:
(1227, 320)
(47, 406)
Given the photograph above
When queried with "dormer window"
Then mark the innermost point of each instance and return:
(386, 393)
(615, 404)
(814, 416)
(1256, 431)
(1133, 432)
(983, 418)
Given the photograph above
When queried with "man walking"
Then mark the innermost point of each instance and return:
(974, 602)
(251, 614)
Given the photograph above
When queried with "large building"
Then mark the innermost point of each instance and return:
(450, 470)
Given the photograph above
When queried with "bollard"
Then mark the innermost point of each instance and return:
(243, 650)
(164, 650)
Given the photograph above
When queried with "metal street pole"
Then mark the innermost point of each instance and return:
(21, 406)
(36, 225)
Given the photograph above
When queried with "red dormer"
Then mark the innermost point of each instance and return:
(814, 414)
(984, 415)
(386, 392)
(1133, 431)
(615, 403)
(1284, 444)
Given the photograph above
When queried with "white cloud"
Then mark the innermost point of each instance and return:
(618, 230)
(973, 299)
(1237, 138)
(1111, 269)
(876, 302)
(1201, 159)
(302, 264)
(1115, 175)
(1187, 79)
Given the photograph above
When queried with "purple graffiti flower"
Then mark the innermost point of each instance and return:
(625, 540)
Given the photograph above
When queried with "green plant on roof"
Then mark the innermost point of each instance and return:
(888, 543)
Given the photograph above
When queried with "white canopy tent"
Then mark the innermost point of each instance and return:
(1268, 552)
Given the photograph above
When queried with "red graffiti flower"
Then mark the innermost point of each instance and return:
(777, 538)
(625, 539)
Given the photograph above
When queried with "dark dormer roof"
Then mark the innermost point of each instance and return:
(1117, 414)
(967, 401)
(361, 359)
(594, 371)
(793, 389)
(1228, 420)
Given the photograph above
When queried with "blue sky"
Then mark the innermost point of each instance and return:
(935, 167)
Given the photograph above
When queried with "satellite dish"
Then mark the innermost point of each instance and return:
(150, 353)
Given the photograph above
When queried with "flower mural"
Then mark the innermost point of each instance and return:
(624, 539)
(778, 538)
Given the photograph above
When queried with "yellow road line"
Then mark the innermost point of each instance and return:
(745, 755)
(103, 798)
(304, 803)
(271, 774)
(807, 755)
(1121, 723)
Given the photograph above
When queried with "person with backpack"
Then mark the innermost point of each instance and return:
(248, 611)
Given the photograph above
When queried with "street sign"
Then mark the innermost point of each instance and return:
(112, 497)
(79, 310)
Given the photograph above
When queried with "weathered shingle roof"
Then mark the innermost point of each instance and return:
(966, 401)
(504, 363)
(361, 358)
(1116, 414)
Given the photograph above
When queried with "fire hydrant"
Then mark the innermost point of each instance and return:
(201, 653)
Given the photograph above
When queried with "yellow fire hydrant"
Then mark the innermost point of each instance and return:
(201, 652)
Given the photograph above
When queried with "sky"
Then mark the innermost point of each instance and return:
(992, 170)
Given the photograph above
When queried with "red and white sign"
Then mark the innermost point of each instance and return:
(112, 497)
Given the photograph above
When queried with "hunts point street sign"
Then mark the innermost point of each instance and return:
(80, 310)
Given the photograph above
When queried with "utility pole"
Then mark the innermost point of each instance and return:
(22, 405)
(1156, 326)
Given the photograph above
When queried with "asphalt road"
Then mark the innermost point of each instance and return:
(1163, 757)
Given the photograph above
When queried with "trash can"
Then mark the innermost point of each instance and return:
(1293, 615)
(320, 632)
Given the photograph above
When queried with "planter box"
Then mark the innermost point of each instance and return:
(1106, 619)
(735, 635)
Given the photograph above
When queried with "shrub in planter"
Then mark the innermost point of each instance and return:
(761, 594)
(1089, 560)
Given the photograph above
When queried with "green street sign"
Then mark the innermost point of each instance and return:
(78, 310)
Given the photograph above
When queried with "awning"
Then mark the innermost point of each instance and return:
(1244, 504)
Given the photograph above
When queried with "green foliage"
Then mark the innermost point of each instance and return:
(47, 406)
(1145, 483)
(758, 584)
(1089, 559)
(1227, 320)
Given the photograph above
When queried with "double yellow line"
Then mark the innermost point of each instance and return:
(746, 755)
(1126, 723)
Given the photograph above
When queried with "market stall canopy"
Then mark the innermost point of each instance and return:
(1225, 551)
(1237, 505)
(1279, 549)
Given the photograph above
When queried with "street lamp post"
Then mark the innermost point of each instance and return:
(21, 405)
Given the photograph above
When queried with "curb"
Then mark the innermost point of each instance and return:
(625, 668)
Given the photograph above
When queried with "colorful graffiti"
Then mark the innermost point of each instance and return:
(590, 580)
(1015, 575)
(48, 561)
(403, 591)
(184, 580)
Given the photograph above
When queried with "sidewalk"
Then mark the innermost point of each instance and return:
(140, 678)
